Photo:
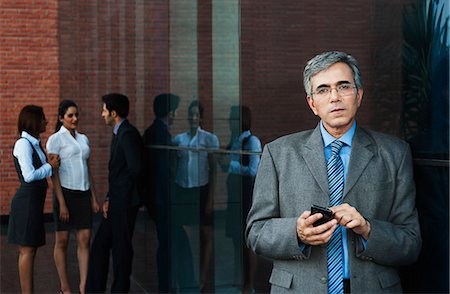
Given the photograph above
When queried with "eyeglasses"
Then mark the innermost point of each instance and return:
(345, 89)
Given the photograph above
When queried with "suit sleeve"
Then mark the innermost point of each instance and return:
(267, 233)
(396, 241)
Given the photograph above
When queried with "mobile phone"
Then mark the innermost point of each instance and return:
(327, 214)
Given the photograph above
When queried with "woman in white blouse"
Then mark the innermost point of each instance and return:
(74, 194)
(195, 177)
(26, 218)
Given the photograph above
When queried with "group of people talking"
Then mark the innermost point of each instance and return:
(159, 179)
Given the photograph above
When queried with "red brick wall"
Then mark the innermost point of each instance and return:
(28, 75)
(53, 50)
(112, 46)
(277, 39)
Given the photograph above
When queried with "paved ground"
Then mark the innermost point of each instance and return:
(144, 279)
(46, 278)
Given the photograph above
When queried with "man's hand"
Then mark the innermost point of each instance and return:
(348, 217)
(310, 235)
(94, 205)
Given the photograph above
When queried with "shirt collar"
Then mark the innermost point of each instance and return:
(244, 135)
(347, 138)
(196, 133)
(117, 126)
(33, 140)
(63, 129)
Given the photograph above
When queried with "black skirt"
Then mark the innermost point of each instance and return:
(26, 219)
(189, 206)
(80, 210)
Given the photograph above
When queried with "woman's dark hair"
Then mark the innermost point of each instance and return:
(117, 102)
(244, 114)
(30, 120)
(193, 104)
(62, 109)
(165, 103)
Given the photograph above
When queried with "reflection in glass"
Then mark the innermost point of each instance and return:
(158, 179)
(194, 187)
(241, 169)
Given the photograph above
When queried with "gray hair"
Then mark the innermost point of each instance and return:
(325, 60)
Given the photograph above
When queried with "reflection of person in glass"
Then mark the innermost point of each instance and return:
(26, 218)
(74, 197)
(241, 173)
(195, 182)
(159, 175)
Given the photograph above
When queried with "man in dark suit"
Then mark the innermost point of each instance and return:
(122, 201)
(160, 165)
(364, 177)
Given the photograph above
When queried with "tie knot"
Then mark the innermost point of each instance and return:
(336, 146)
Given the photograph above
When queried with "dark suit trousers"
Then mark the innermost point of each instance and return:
(114, 234)
(162, 254)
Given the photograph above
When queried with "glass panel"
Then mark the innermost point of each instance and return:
(226, 93)
(426, 126)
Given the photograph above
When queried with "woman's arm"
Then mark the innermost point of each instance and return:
(63, 211)
(23, 151)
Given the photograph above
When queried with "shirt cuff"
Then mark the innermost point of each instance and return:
(363, 242)
(302, 247)
(48, 169)
(235, 167)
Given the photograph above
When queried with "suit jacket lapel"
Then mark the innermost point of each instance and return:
(359, 158)
(315, 159)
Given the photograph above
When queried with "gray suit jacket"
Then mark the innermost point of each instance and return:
(379, 184)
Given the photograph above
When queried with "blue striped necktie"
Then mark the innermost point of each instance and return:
(335, 171)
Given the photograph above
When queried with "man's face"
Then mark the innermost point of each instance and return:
(194, 117)
(171, 116)
(337, 111)
(109, 120)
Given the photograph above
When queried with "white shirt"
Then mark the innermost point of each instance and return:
(24, 153)
(74, 153)
(193, 168)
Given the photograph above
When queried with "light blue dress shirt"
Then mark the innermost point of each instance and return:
(24, 153)
(254, 144)
(117, 126)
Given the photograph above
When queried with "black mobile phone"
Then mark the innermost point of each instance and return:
(327, 214)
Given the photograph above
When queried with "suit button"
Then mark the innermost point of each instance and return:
(323, 280)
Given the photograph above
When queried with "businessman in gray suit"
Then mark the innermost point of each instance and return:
(365, 178)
